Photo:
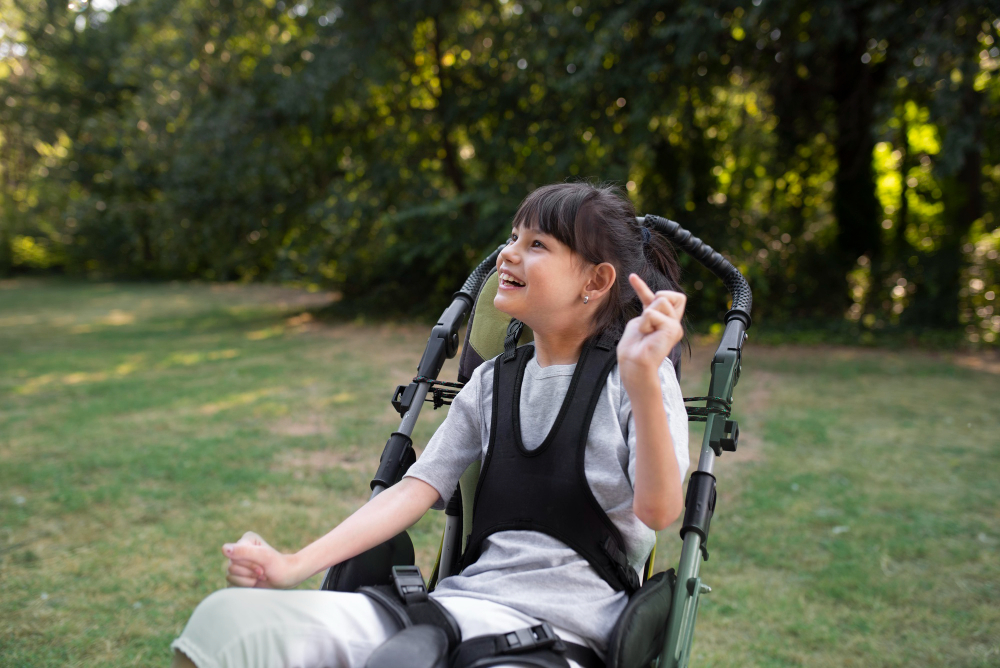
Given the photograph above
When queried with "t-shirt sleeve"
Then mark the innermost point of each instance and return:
(455, 445)
(677, 422)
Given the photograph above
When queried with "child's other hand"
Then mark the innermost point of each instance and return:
(650, 337)
(254, 563)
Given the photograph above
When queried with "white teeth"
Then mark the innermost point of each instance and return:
(507, 278)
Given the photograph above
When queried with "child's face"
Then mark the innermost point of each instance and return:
(542, 282)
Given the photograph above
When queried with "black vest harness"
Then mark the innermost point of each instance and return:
(545, 489)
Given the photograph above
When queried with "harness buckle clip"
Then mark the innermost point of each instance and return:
(529, 640)
(619, 562)
(409, 583)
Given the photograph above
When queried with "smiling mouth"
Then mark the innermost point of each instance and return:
(509, 281)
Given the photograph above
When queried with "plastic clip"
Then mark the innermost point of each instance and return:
(620, 563)
(732, 437)
(529, 640)
(409, 583)
(402, 398)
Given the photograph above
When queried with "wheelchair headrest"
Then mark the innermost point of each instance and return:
(486, 330)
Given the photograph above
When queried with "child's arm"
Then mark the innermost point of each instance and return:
(254, 563)
(647, 340)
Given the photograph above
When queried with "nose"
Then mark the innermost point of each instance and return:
(507, 254)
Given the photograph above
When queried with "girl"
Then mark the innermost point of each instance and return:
(577, 265)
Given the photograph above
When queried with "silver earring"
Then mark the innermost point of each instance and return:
(586, 298)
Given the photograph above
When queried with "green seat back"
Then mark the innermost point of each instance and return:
(489, 324)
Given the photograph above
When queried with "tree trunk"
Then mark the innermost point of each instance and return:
(855, 205)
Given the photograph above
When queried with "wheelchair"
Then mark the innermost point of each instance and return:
(657, 625)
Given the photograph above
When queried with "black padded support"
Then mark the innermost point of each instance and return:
(373, 567)
(638, 635)
(541, 659)
(553, 496)
(425, 613)
(414, 647)
(535, 646)
(410, 605)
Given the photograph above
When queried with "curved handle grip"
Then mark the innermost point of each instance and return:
(705, 254)
(478, 275)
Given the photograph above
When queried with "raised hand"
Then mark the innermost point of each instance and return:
(254, 563)
(650, 337)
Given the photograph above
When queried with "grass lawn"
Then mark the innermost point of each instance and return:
(143, 425)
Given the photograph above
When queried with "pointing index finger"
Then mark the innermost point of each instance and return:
(646, 295)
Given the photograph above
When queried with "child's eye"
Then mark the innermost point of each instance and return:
(537, 243)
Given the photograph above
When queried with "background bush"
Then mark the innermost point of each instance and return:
(845, 154)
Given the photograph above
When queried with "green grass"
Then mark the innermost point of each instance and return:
(141, 426)
(861, 527)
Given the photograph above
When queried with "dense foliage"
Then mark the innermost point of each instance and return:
(845, 154)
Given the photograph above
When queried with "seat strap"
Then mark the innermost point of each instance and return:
(407, 602)
(583, 655)
(535, 646)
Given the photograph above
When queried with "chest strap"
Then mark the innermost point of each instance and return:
(546, 489)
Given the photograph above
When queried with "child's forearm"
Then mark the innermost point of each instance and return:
(389, 513)
(657, 497)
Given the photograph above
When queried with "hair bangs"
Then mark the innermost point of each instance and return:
(554, 210)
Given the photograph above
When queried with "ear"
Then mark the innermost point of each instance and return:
(602, 277)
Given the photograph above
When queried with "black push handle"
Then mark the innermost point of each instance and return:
(475, 280)
(443, 342)
(712, 260)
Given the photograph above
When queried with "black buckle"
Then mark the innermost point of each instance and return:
(619, 562)
(409, 584)
(529, 640)
(514, 328)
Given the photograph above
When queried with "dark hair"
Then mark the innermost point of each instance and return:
(599, 224)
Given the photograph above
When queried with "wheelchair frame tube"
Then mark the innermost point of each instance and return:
(725, 374)
(406, 427)
(442, 344)
(680, 627)
(451, 542)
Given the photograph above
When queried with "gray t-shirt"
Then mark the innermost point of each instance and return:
(531, 571)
